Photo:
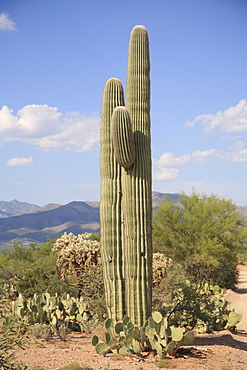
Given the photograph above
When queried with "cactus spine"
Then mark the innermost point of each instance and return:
(126, 208)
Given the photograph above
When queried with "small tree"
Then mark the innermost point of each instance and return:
(204, 234)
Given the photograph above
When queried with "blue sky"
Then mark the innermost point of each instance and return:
(56, 56)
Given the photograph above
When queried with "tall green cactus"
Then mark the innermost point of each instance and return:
(126, 208)
(137, 204)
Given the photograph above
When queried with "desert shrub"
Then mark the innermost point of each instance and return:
(35, 281)
(203, 234)
(31, 271)
(13, 261)
(40, 330)
(174, 279)
(12, 337)
(8, 343)
(76, 366)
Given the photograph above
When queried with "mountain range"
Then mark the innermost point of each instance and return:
(49, 221)
(30, 223)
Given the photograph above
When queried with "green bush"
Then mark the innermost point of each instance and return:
(31, 271)
(203, 234)
(35, 281)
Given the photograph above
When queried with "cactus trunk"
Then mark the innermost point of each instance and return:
(137, 182)
(126, 203)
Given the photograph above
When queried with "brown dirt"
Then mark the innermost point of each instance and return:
(218, 351)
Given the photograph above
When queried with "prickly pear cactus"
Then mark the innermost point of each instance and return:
(126, 203)
(156, 335)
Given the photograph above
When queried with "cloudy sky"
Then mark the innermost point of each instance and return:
(55, 59)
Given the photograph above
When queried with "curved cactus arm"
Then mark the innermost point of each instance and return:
(122, 137)
(110, 206)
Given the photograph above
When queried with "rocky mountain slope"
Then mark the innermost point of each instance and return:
(15, 207)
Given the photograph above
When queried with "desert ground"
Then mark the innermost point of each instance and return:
(222, 350)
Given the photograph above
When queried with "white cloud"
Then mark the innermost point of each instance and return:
(165, 173)
(231, 120)
(38, 120)
(167, 167)
(76, 133)
(203, 155)
(9, 123)
(240, 156)
(49, 129)
(236, 153)
(6, 24)
(27, 162)
(169, 160)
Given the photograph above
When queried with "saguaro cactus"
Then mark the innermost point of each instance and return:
(126, 208)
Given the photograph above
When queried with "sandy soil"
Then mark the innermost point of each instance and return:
(218, 351)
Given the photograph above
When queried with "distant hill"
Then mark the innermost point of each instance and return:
(159, 197)
(40, 225)
(47, 207)
(15, 207)
(37, 224)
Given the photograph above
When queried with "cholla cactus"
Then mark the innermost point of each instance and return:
(77, 250)
(79, 257)
(160, 266)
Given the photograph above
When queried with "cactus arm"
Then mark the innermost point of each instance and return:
(122, 137)
(110, 206)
